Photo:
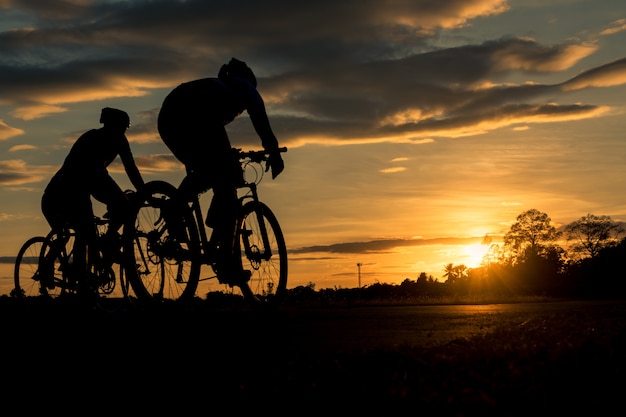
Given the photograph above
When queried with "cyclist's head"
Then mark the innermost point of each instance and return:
(237, 68)
(114, 118)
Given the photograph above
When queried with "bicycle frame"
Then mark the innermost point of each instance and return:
(254, 196)
(54, 274)
(94, 260)
(251, 195)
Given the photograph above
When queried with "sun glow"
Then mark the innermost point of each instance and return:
(473, 254)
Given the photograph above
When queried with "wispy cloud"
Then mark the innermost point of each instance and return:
(608, 75)
(18, 172)
(384, 245)
(152, 163)
(36, 111)
(616, 27)
(22, 147)
(7, 132)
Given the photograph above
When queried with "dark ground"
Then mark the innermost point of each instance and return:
(499, 360)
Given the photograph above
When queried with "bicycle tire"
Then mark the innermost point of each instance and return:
(268, 282)
(166, 263)
(25, 274)
(30, 278)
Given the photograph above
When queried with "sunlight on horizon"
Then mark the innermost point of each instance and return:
(474, 254)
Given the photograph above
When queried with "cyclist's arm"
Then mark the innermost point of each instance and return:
(131, 168)
(260, 121)
(268, 139)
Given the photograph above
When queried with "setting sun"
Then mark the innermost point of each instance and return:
(473, 254)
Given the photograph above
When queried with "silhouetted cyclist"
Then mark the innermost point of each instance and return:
(67, 198)
(192, 124)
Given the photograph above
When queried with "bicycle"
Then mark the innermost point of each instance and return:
(44, 267)
(171, 245)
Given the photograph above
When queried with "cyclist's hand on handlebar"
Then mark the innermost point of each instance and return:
(275, 163)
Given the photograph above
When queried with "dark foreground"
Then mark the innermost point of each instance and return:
(563, 357)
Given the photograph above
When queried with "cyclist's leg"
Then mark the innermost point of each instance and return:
(208, 161)
(85, 246)
(79, 256)
(222, 217)
(108, 192)
(66, 208)
(51, 207)
(183, 135)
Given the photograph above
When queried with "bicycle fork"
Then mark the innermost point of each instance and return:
(265, 252)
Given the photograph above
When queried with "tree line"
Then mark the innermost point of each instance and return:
(586, 258)
(531, 259)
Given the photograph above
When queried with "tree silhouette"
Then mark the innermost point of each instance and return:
(455, 273)
(449, 272)
(532, 235)
(592, 233)
(494, 252)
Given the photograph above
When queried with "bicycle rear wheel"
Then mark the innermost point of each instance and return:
(163, 242)
(263, 251)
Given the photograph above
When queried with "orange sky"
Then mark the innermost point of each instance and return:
(413, 128)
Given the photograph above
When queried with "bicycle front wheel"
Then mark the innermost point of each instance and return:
(26, 277)
(163, 242)
(263, 252)
(38, 268)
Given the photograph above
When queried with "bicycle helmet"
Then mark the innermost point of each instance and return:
(111, 116)
(237, 68)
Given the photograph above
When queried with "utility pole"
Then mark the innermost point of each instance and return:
(358, 265)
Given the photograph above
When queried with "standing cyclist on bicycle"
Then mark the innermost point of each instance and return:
(192, 124)
(67, 198)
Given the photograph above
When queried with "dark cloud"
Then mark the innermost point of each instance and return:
(43, 10)
(368, 72)
(384, 245)
(18, 172)
(613, 73)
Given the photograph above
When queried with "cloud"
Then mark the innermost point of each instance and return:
(36, 111)
(18, 172)
(124, 49)
(23, 147)
(159, 163)
(527, 55)
(152, 163)
(61, 10)
(392, 170)
(443, 93)
(608, 75)
(617, 26)
(7, 132)
(384, 245)
(368, 74)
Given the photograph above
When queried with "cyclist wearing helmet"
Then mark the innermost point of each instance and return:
(67, 198)
(192, 123)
